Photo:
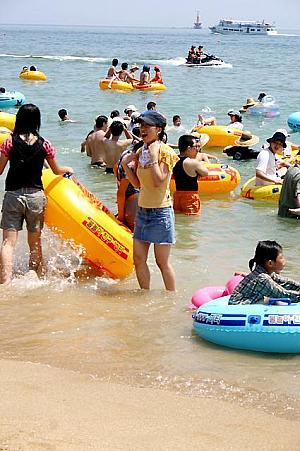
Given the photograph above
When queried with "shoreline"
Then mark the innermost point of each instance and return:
(44, 408)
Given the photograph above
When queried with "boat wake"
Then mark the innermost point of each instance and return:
(178, 61)
(88, 59)
(288, 34)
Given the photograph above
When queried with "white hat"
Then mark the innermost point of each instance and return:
(131, 108)
(135, 115)
(202, 138)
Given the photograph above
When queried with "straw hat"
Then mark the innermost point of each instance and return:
(247, 140)
(202, 138)
(249, 102)
(133, 67)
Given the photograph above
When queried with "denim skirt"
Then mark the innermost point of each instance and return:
(155, 225)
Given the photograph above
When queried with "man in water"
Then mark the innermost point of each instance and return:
(125, 75)
(114, 147)
(112, 72)
(151, 106)
(94, 144)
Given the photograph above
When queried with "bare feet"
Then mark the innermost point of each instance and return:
(295, 211)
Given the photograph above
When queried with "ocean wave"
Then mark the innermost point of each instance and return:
(88, 59)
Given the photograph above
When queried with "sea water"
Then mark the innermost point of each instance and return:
(78, 320)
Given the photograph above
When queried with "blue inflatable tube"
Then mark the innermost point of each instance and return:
(11, 99)
(264, 110)
(294, 121)
(254, 327)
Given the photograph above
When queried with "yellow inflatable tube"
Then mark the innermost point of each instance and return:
(117, 85)
(221, 179)
(33, 75)
(7, 120)
(219, 135)
(151, 87)
(75, 214)
(265, 193)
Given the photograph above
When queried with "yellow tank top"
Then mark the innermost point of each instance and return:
(152, 196)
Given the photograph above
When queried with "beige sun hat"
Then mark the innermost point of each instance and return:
(247, 139)
(202, 138)
(249, 102)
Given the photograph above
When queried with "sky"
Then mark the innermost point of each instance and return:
(160, 13)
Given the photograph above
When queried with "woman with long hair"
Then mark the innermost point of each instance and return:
(24, 197)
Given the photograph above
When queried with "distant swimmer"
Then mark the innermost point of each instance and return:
(158, 76)
(145, 75)
(151, 106)
(126, 75)
(250, 102)
(112, 71)
(133, 69)
(63, 115)
(235, 120)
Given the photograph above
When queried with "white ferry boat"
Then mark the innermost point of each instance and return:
(230, 26)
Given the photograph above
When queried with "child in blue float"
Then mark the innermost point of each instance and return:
(264, 282)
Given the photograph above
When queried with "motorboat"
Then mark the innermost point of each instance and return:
(230, 26)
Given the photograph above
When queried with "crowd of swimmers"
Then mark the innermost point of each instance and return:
(143, 164)
(129, 75)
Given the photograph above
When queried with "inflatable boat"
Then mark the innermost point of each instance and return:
(7, 120)
(11, 99)
(254, 327)
(116, 85)
(265, 192)
(77, 215)
(221, 179)
(35, 75)
(219, 135)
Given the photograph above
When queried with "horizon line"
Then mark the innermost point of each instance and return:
(113, 26)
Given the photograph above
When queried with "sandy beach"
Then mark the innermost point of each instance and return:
(44, 408)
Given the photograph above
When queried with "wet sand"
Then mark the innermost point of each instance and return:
(47, 409)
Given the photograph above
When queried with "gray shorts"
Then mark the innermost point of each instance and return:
(23, 204)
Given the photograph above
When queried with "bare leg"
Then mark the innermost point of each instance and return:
(162, 256)
(140, 255)
(7, 255)
(130, 210)
(36, 256)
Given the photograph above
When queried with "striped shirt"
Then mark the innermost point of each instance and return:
(258, 284)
